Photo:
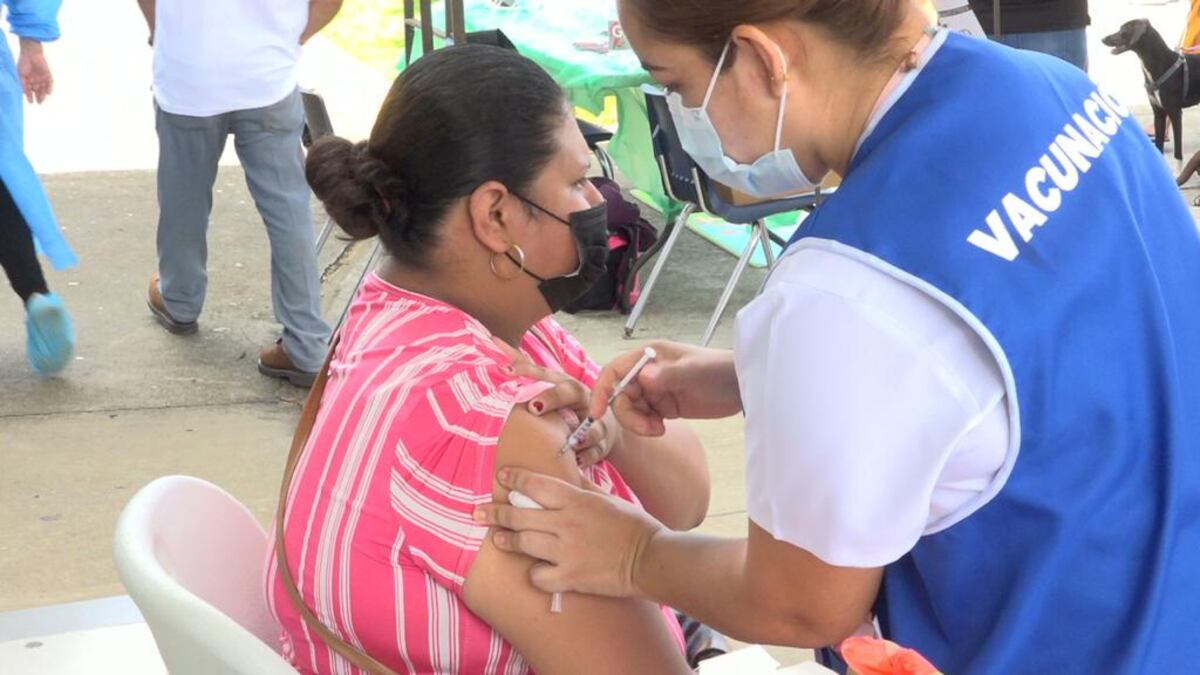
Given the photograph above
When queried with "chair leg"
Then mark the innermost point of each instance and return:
(375, 255)
(728, 292)
(642, 260)
(663, 254)
(606, 163)
(764, 236)
(325, 232)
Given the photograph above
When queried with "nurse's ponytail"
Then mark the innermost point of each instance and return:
(866, 26)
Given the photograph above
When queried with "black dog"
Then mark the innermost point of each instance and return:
(1172, 79)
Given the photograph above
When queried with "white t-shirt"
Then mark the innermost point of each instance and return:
(216, 56)
(875, 414)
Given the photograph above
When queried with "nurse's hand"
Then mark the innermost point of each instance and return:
(589, 541)
(683, 381)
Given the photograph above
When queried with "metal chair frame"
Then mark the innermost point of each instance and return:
(703, 201)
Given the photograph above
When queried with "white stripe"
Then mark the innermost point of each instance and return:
(453, 527)
(417, 473)
(436, 568)
(444, 640)
(495, 648)
(366, 428)
(398, 587)
(516, 664)
(308, 530)
(454, 429)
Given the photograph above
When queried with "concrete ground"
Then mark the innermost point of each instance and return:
(139, 403)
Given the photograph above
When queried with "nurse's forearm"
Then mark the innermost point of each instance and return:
(706, 578)
(757, 589)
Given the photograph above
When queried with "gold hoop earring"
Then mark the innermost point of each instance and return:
(519, 263)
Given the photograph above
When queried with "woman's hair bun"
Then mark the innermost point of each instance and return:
(361, 194)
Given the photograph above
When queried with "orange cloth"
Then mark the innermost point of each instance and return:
(872, 656)
(1191, 35)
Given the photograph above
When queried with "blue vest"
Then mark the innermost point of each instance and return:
(1006, 186)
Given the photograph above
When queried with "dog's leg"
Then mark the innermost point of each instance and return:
(1177, 135)
(1160, 128)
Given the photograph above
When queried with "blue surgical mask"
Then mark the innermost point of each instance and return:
(775, 173)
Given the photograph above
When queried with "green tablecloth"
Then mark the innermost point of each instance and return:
(546, 31)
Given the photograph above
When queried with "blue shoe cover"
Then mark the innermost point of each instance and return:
(51, 337)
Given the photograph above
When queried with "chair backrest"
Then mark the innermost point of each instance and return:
(685, 181)
(677, 167)
(192, 558)
(317, 124)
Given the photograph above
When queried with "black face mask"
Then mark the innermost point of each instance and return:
(589, 228)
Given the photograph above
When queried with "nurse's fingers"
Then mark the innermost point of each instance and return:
(533, 544)
(547, 578)
(638, 415)
(613, 373)
(550, 493)
(513, 518)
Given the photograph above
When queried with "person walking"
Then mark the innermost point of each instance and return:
(25, 213)
(221, 68)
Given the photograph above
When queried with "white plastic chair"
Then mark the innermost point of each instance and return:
(192, 558)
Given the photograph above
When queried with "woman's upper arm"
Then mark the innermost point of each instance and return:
(599, 635)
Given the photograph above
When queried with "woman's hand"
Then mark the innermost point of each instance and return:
(567, 394)
(36, 79)
(682, 381)
(591, 540)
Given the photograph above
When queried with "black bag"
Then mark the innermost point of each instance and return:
(629, 235)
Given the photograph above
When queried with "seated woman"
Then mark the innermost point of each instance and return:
(474, 179)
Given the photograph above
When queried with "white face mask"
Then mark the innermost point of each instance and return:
(775, 173)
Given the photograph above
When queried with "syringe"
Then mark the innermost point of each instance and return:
(581, 432)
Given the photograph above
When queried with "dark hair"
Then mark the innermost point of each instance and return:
(455, 119)
(863, 25)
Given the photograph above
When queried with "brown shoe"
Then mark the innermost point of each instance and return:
(273, 361)
(154, 300)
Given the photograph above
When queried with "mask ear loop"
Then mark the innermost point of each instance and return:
(712, 84)
(782, 101)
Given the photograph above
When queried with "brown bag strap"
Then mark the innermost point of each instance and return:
(308, 417)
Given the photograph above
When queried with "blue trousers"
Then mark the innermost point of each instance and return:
(268, 143)
(1068, 45)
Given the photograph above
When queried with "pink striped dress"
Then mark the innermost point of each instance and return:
(379, 523)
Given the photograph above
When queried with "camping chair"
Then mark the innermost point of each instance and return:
(685, 182)
(191, 557)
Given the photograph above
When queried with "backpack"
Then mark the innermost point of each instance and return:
(629, 236)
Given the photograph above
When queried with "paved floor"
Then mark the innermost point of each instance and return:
(139, 403)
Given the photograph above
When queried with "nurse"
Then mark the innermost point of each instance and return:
(971, 385)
